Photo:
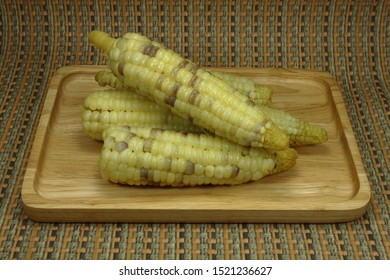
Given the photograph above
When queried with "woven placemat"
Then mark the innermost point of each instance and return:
(349, 39)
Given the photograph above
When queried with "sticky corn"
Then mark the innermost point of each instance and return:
(111, 107)
(187, 90)
(259, 94)
(144, 156)
(300, 132)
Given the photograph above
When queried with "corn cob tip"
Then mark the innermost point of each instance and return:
(313, 134)
(101, 40)
(285, 159)
(276, 139)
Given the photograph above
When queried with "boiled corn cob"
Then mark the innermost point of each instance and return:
(299, 131)
(110, 107)
(187, 90)
(144, 156)
(259, 94)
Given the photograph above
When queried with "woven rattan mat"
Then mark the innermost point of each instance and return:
(349, 39)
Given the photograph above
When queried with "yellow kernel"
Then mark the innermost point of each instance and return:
(121, 43)
(95, 116)
(114, 176)
(163, 176)
(199, 169)
(114, 53)
(87, 114)
(181, 165)
(170, 178)
(219, 171)
(209, 171)
(184, 76)
(179, 178)
(155, 64)
(111, 166)
(147, 160)
(257, 175)
(124, 156)
(167, 164)
(227, 171)
(104, 160)
(189, 168)
(156, 176)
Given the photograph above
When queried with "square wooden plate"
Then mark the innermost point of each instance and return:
(328, 184)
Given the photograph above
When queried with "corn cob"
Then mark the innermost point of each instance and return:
(106, 108)
(259, 94)
(144, 156)
(187, 90)
(300, 132)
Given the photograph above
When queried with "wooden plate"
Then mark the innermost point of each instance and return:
(328, 184)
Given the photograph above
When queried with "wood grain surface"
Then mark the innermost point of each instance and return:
(328, 184)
